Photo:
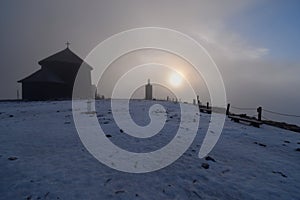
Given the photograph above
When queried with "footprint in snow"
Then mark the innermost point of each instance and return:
(12, 158)
(208, 158)
(225, 171)
(277, 172)
(260, 144)
(119, 191)
(205, 165)
(107, 181)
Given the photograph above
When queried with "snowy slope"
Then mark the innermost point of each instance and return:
(52, 163)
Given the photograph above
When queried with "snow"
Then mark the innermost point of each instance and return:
(52, 163)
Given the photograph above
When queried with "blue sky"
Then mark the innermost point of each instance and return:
(272, 24)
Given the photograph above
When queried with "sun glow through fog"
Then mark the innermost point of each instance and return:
(175, 79)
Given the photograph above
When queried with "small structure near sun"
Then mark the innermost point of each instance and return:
(148, 91)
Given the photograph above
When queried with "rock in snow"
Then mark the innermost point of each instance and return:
(205, 165)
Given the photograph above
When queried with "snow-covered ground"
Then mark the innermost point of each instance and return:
(42, 157)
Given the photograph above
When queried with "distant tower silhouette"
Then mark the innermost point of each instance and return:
(148, 91)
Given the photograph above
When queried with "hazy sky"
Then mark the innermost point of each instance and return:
(254, 43)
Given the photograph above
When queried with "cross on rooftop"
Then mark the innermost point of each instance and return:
(68, 44)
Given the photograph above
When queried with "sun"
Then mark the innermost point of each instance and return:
(175, 79)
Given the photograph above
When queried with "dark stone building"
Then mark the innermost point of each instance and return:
(56, 78)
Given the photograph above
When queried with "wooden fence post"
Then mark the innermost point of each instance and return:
(259, 111)
(227, 110)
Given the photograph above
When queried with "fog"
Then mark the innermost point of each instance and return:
(256, 68)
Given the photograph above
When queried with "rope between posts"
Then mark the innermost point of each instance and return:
(243, 108)
(282, 114)
(265, 118)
